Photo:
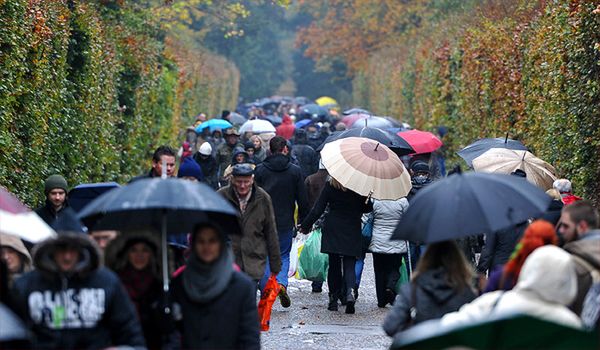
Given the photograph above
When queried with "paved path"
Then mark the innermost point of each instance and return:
(307, 324)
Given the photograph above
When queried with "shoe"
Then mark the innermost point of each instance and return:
(350, 301)
(381, 305)
(284, 298)
(317, 289)
(333, 305)
(390, 296)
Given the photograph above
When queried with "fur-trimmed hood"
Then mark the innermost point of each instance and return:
(115, 255)
(90, 257)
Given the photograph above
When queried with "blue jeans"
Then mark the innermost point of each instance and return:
(285, 246)
(358, 270)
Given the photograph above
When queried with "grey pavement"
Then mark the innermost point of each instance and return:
(307, 324)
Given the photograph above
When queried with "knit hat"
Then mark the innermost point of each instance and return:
(205, 149)
(55, 181)
(242, 170)
(248, 145)
(186, 149)
(419, 166)
(189, 167)
(562, 185)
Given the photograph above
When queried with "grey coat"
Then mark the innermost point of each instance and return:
(387, 214)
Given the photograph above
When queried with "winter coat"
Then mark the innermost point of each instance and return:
(499, 246)
(386, 215)
(209, 169)
(546, 284)
(342, 227)
(89, 309)
(283, 181)
(587, 249)
(223, 156)
(308, 159)
(314, 185)
(228, 322)
(48, 214)
(434, 297)
(259, 239)
(260, 154)
(15, 243)
(286, 129)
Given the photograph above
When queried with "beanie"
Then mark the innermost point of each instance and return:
(55, 181)
(189, 167)
(205, 149)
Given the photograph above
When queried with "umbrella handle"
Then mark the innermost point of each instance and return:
(369, 196)
(165, 261)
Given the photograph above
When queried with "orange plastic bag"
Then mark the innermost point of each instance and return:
(266, 302)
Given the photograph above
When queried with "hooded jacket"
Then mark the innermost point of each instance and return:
(308, 159)
(286, 129)
(48, 214)
(224, 155)
(283, 181)
(15, 243)
(386, 215)
(434, 297)
(547, 284)
(208, 165)
(586, 252)
(86, 309)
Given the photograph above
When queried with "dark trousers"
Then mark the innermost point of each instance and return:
(387, 274)
(341, 275)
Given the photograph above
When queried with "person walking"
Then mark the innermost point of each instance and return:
(259, 151)
(286, 129)
(208, 164)
(314, 185)
(308, 159)
(190, 170)
(15, 255)
(259, 240)
(55, 191)
(387, 254)
(283, 181)
(225, 151)
(217, 304)
(420, 177)
(342, 238)
(440, 284)
(162, 155)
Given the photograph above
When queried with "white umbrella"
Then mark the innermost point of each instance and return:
(366, 167)
(28, 226)
(257, 126)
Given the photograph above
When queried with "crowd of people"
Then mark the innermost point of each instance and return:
(97, 289)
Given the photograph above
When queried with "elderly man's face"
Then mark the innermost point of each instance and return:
(242, 184)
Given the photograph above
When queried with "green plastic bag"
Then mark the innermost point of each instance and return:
(403, 276)
(312, 264)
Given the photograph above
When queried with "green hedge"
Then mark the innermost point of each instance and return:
(68, 68)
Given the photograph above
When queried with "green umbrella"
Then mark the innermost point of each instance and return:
(506, 332)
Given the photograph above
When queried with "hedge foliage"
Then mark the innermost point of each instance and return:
(530, 69)
(88, 90)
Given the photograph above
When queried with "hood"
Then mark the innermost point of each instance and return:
(286, 120)
(435, 284)
(277, 162)
(15, 243)
(236, 151)
(587, 248)
(549, 272)
(115, 255)
(90, 257)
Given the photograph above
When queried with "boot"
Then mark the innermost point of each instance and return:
(333, 305)
(350, 301)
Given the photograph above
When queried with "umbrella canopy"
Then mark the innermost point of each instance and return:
(326, 101)
(392, 141)
(313, 110)
(257, 126)
(373, 122)
(18, 220)
(366, 167)
(500, 332)
(421, 141)
(83, 194)
(467, 204)
(214, 124)
(352, 118)
(274, 119)
(303, 123)
(13, 329)
(236, 119)
(356, 111)
(9, 203)
(480, 146)
(506, 161)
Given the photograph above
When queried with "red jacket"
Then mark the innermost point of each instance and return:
(569, 198)
(286, 129)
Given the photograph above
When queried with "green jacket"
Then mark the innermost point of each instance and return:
(259, 239)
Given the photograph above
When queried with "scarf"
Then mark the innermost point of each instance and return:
(243, 200)
(138, 283)
(203, 282)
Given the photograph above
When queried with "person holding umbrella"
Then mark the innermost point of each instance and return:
(163, 155)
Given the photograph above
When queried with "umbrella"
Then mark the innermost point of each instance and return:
(356, 111)
(303, 123)
(13, 329)
(171, 205)
(467, 204)
(366, 167)
(506, 161)
(421, 141)
(274, 119)
(82, 194)
(325, 101)
(499, 332)
(352, 118)
(313, 110)
(214, 124)
(236, 119)
(374, 122)
(394, 142)
(480, 146)
(257, 126)
(16, 219)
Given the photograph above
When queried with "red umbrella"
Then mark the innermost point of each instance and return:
(421, 141)
(10, 203)
(350, 119)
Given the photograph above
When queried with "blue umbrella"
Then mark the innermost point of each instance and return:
(303, 123)
(83, 194)
(214, 124)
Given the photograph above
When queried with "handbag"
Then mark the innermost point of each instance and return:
(367, 231)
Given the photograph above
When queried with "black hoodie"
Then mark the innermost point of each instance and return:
(86, 309)
(283, 181)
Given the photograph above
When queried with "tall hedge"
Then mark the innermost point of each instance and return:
(88, 89)
(530, 69)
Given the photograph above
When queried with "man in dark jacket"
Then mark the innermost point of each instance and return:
(55, 189)
(71, 302)
(314, 185)
(308, 159)
(208, 164)
(259, 240)
(420, 176)
(284, 182)
(163, 154)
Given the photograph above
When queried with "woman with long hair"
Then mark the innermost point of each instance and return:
(440, 284)
(341, 240)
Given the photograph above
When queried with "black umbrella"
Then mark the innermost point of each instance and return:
(480, 146)
(83, 194)
(170, 205)
(237, 119)
(466, 204)
(356, 111)
(393, 141)
(13, 330)
(313, 110)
